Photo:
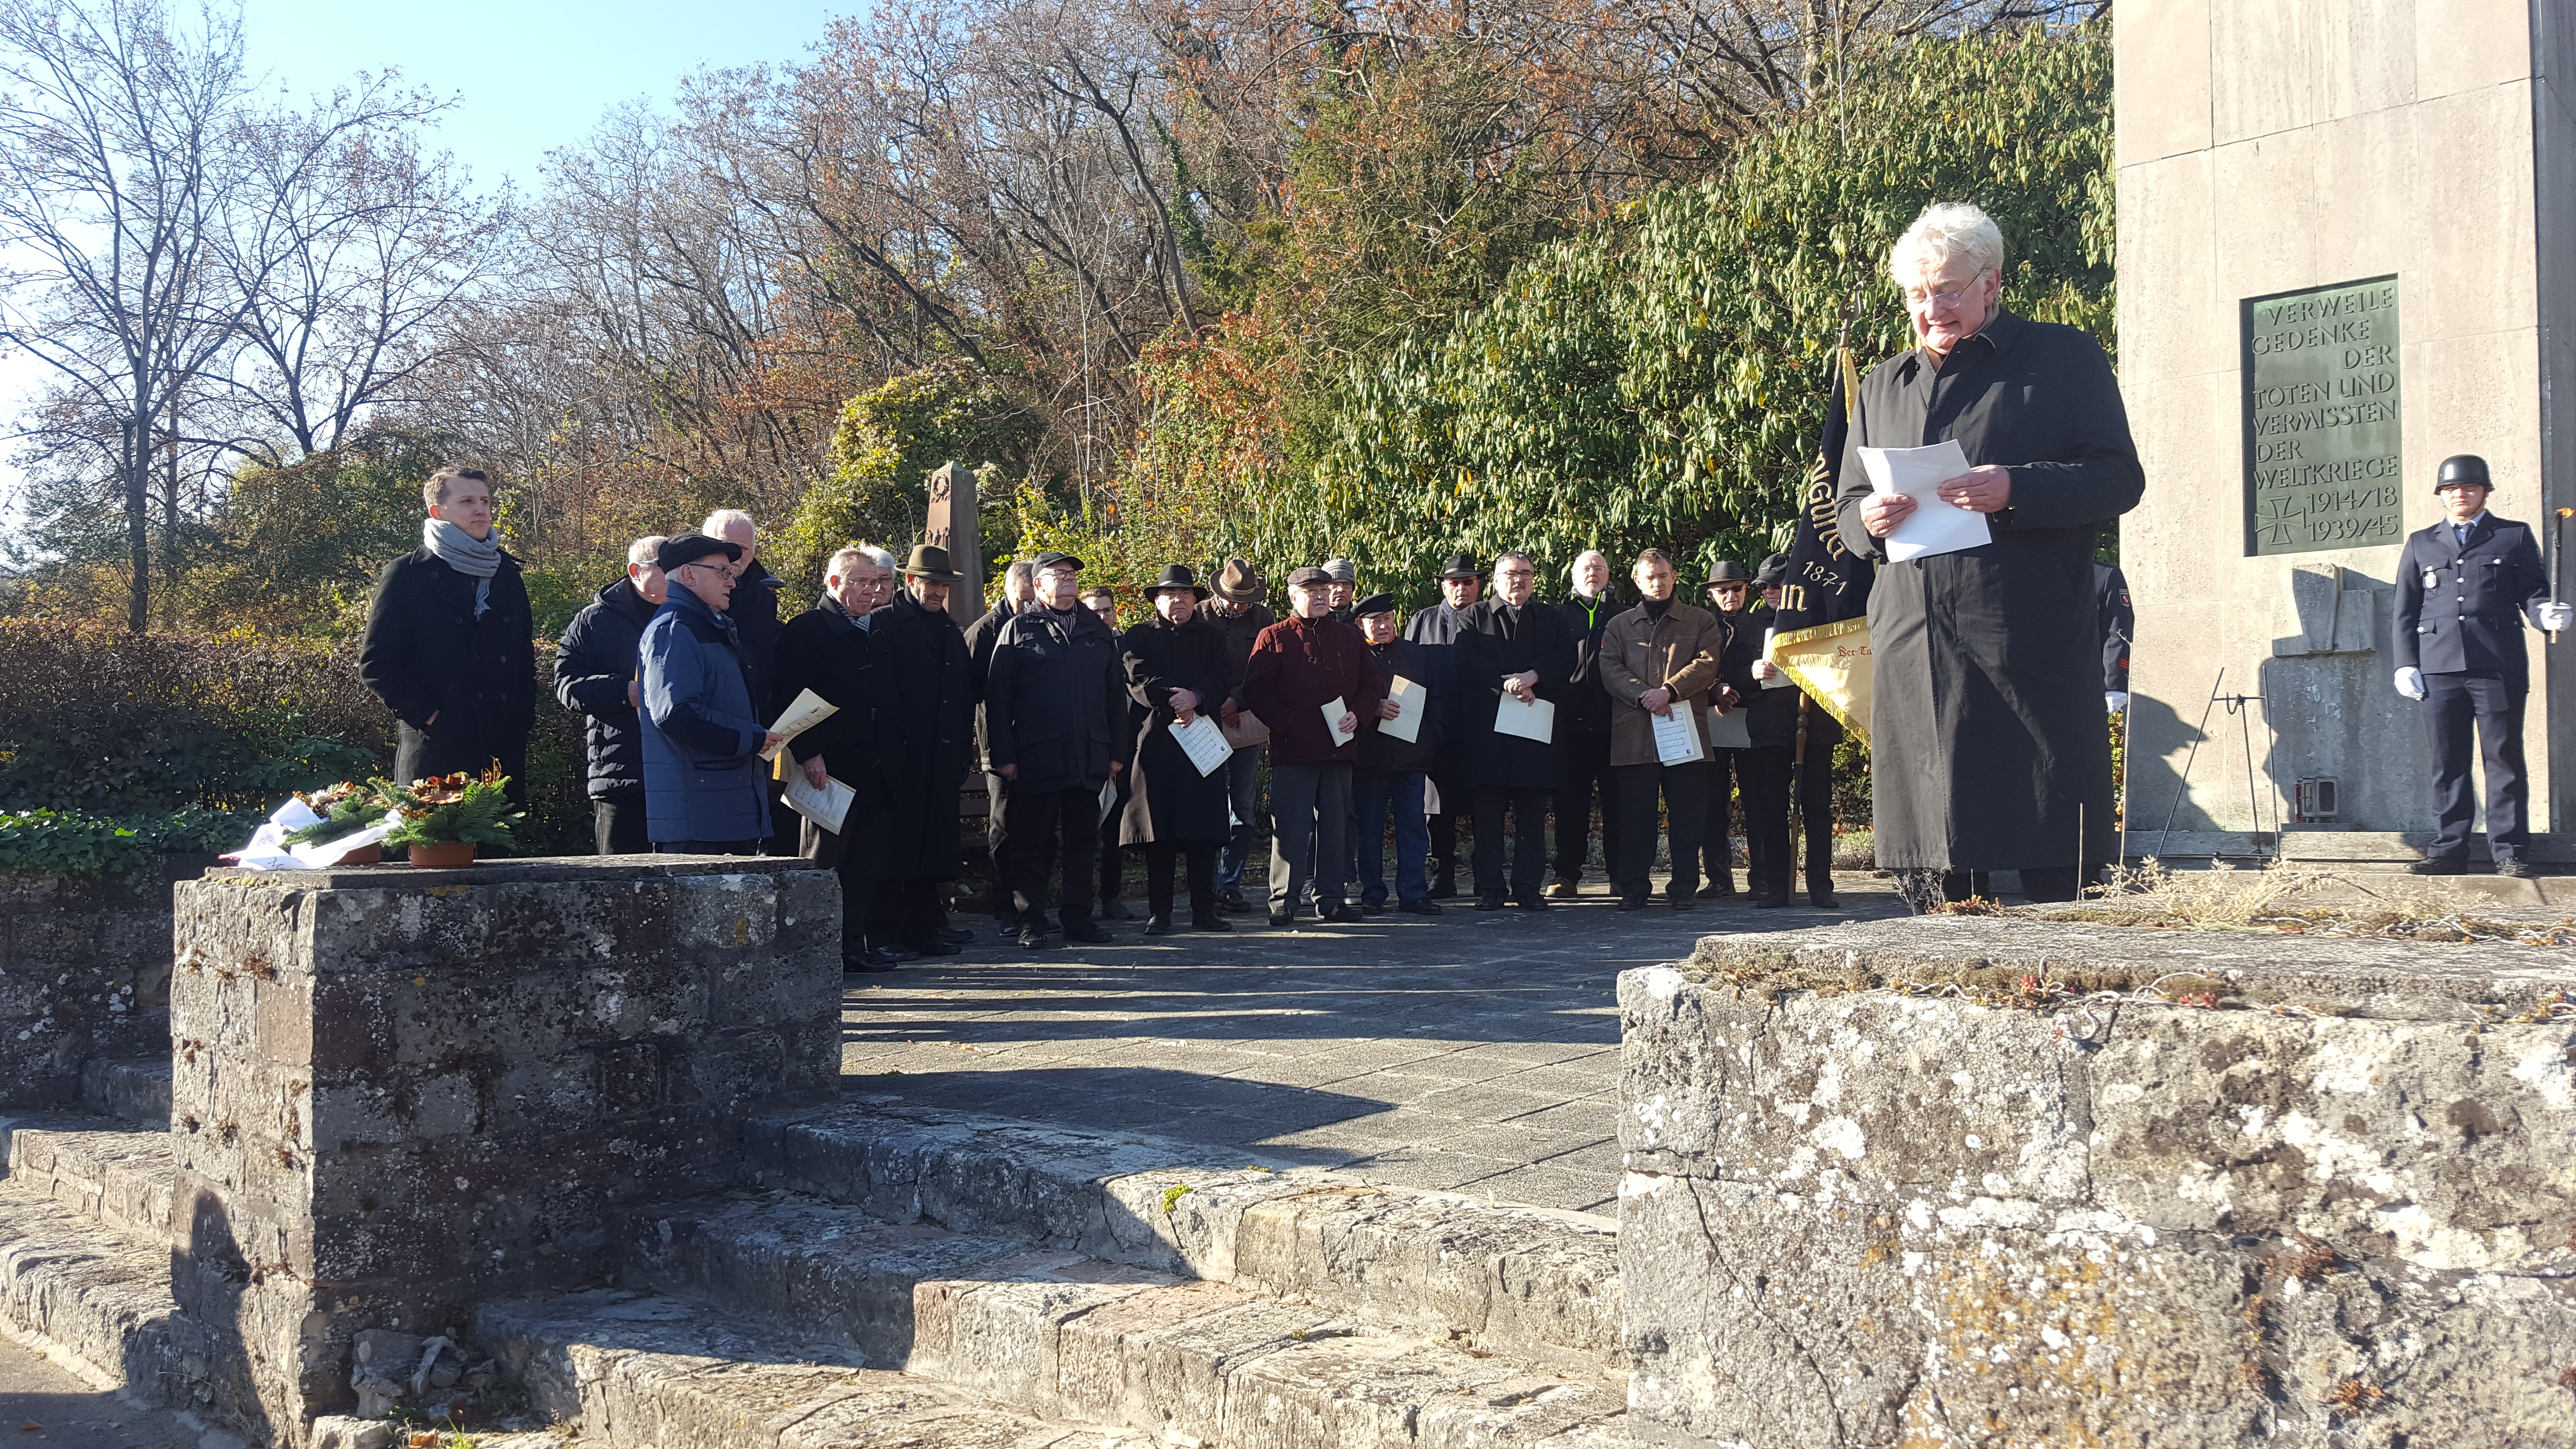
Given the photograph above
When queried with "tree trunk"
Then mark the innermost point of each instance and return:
(137, 461)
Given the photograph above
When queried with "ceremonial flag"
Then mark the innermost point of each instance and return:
(1820, 633)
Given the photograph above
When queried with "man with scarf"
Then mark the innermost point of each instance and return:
(1436, 630)
(1299, 666)
(451, 643)
(827, 649)
(704, 778)
(1659, 660)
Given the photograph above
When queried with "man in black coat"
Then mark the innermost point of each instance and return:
(1792, 756)
(2464, 588)
(926, 737)
(1236, 611)
(597, 674)
(1516, 646)
(1989, 748)
(829, 650)
(1055, 724)
(450, 645)
(1103, 600)
(981, 636)
(1178, 672)
(1437, 629)
(1730, 593)
(1583, 732)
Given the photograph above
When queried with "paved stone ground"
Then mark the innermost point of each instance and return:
(1471, 1051)
(41, 1403)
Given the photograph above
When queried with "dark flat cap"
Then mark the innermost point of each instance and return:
(1373, 604)
(1309, 577)
(1773, 573)
(1462, 566)
(1054, 560)
(687, 548)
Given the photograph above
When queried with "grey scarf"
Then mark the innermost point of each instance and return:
(476, 558)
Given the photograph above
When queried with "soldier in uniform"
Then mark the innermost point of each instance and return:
(2463, 589)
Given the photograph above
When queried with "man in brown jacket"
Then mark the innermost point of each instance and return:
(1659, 660)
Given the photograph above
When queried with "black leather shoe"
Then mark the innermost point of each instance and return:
(2517, 867)
(1489, 903)
(1719, 888)
(1210, 922)
(866, 965)
(1822, 899)
(1279, 922)
(1116, 911)
(1158, 925)
(932, 946)
(1234, 901)
(894, 955)
(1685, 903)
(1342, 915)
(1772, 903)
(1446, 886)
(1087, 933)
(954, 935)
(2438, 867)
(1563, 890)
(1630, 903)
(1533, 902)
(1031, 938)
(1420, 908)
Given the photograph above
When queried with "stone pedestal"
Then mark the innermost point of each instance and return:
(2347, 249)
(956, 524)
(396, 1091)
(1885, 1186)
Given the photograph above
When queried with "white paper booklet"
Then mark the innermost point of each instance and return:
(807, 710)
(1934, 526)
(1204, 742)
(826, 805)
(1780, 679)
(1333, 713)
(1409, 700)
(1729, 731)
(1532, 721)
(1676, 738)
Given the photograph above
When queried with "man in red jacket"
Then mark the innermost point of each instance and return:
(1298, 666)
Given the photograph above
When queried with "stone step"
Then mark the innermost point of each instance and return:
(1065, 1337)
(135, 1090)
(122, 1180)
(1535, 1284)
(100, 1297)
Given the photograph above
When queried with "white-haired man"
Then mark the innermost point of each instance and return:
(828, 650)
(754, 612)
(597, 674)
(1583, 732)
(1989, 751)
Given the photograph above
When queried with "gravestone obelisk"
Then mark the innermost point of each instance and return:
(2347, 250)
(953, 525)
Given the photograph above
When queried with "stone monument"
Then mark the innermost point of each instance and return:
(2347, 250)
(955, 526)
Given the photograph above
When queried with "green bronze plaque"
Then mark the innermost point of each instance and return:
(2321, 412)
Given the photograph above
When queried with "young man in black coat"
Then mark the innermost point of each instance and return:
(828, 649)
(1055, 721)
(925, 728)
(981, 636)
(1518, 646)
(1730, 594)
(450, 645)
(597, 674)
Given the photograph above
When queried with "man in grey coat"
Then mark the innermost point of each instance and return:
(1986, 722)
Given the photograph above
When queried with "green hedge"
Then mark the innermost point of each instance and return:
(73, 842)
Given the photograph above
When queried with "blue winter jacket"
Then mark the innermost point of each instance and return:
(703, 775)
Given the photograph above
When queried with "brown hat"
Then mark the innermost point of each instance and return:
(1239, 582)
(1309, 577)
(930, 561)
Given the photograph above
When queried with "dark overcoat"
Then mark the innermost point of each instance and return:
(825, 650)
(1171, 800)
(925, 731)
(1383, 752)
(1988, 745)
(594, 663)
(1055, 704)
(426, 654)
(2461, 607)
(1586, 711)
(1497, 640)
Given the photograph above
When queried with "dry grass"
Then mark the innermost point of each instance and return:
(2229, 898)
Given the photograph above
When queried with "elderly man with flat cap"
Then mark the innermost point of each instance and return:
(1300, 666)
(2464, 589)
(1437, 629)
(705, 791)
(1386, 790)
(1055, 721)
(926, 740)
(1235, 610)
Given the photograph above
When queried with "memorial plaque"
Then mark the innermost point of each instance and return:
(2321, 418)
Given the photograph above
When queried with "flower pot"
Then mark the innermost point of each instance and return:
(364, 855)
(446, 855)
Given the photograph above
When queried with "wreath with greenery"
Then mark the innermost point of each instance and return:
(345, 809)
(449, 808)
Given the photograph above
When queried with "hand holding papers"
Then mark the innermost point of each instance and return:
(1333, 714)
(1533, 721)
(1676, 737)
(826, 805)
(806, 711)
(1409, 699)
(1204, 743)
(1934, 526)
(1247, 729)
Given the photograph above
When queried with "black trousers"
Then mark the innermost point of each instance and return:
(617, 824)
(852, 855)
(1583, 763)
(1529, 832)
(1716, 841)
(445, 751)
(1924, 889)
(1113, 857)
(1684, 789)
(1063, 823)
(1766, 818)
(1201, 855)
(908, 911)
(2486, 702)
(997, 846)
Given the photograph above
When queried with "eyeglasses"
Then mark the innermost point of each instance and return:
(1916, 297)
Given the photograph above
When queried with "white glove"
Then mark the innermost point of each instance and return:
(2410, 683)
(2554, 617)
(2115, 701)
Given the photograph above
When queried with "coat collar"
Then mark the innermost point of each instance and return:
(694, 611)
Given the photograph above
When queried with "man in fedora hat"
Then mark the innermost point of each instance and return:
(703, 775)
(2464, 588)
(1236, 611)
(1437, 629)
(926, 736)
(1178, 671)
(1055, 717)
(1730, 597)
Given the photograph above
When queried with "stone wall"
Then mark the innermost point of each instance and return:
(396, 1090)
(1885, 1184)
(84, 974)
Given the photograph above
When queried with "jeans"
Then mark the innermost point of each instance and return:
(1310, 819)
(1243, 784)
(1373, 794)
(1685, 792)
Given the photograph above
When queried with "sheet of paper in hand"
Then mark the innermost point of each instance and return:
(1533, 721)
(1732, 730)
(1108, 796)
(807, 710)
(1204, 743)
(1409, 699)
(1934, 526)
(1247, 730)
(1677, 738)
(826, 805)
(1333, 723)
